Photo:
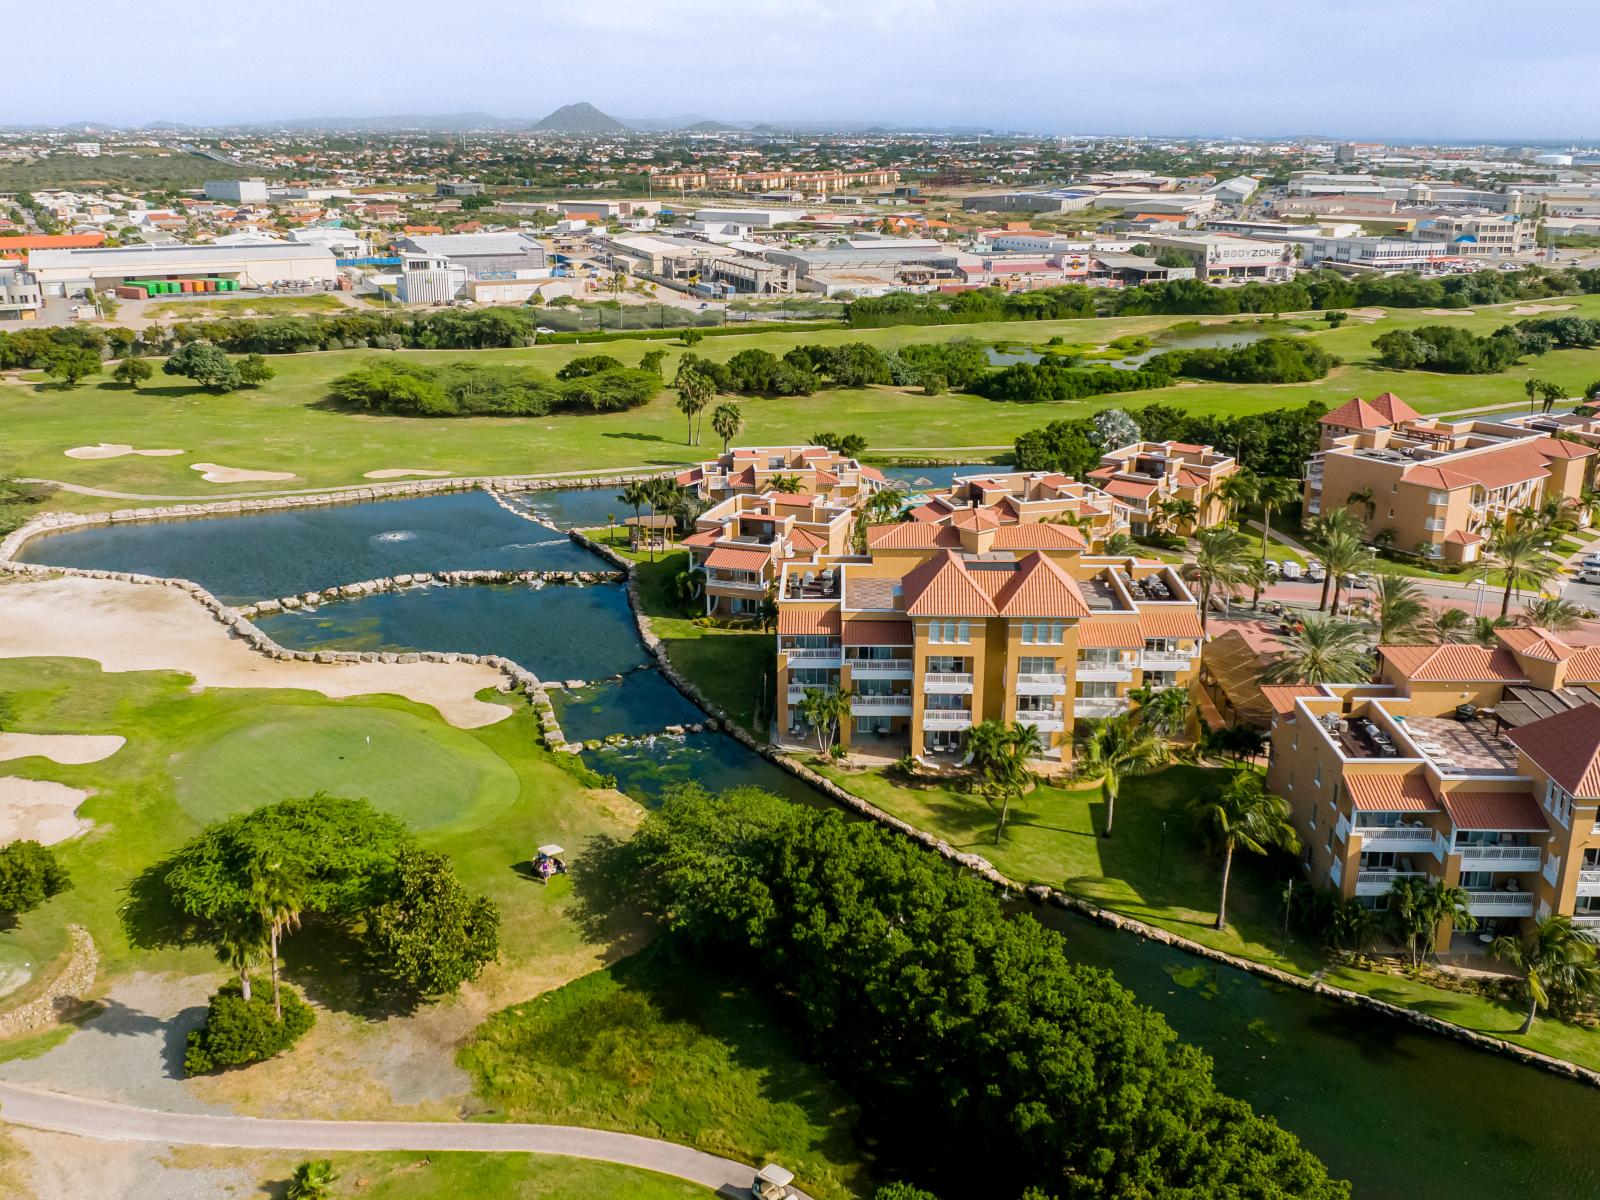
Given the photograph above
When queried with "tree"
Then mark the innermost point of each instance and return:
(1401, 610)
(636, 493)
(1166, 710)
(73, 364)
(1175, 514)
(312, 1180)
(825, 710)
(1243, 815)
(1117, 748)
(241, 1029)
(131, 372)
(726, 422)
(1451, 625)
(694, 390)
(278, 890)
(1519, 555)
(1323, 650)
(1113, 429)
(1362, 499)
(1000, 756)
(29, 875)
(788, 484)
(1557, 961)
(850, 445)
(1552, 613)
(1343, 554)
(1238, 491)
(433, 934)
(1530, 388)
(206, 365)
(1417, 907)
(1551, 394)
(254, 370)
(691, 337)
(1221, 563)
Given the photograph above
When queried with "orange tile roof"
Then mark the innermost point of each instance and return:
(1390, 793)
(51, 241)
(704, 537)
(1039, 588)
(1454, 664)
(942, 587)
(874, 474)
(1553, 448)
(974, 518)
(1110, 633)
(1127, 489)
(1509, 812)
(1503, 467)
(1037, 536)
(911, 535)
(1394, 408)
(731, 559)
(1188, 478)
(1565, 747)
(1440, 478)
(1462, 537)
(879, 633)
(1180, 620)
(1281, 696)
(793, 619)
(804, 539)
(1530, 641)
(1356, 414)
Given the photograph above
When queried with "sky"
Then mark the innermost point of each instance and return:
(1379, 69)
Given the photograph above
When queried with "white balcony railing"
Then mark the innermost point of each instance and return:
(1498, 858)
(1500, 904)
(1051, 721)
(1401, 838)
(1589, 882)
(1096, 672)
(879, 668)
(744, 587)
(949, 682)
(1376, 883)
(947, 718)
(1098, 706)
(1153, 660)
(1587, 920)
(831, 655)
(881, 704)
(1050, 683)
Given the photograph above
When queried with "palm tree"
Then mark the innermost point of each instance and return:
(726, 422)
(1116, 748)
(1272, 491)
(1451, 625)
(825, 710)
(1001, 755)
(1519, 555)
(1551, 394)
(1362, 498)
(1557, 962)
(278, 892)
(1342, 554)
(312, 1180)
(1221, 564)
(240, 943)
(1531, 388)
(1178, 513)
(637, 494)
(1417, 906)
(885, 503)
(1165, 710)
(1552, 613)
(1118, 545)
(1324, 650)
(788, 484)
(1483, 630)
(1243, 816)
(1237, 492)
(695, 390)
(1401, 610)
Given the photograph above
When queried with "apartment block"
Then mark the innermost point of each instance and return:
(808, 470)
(939, 627)
(740, 544)
(1431, 486)
(1475, 766)
(1146, 475)
(1023, 497)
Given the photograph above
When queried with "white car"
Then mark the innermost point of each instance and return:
(1589, 573)
(1591, 559)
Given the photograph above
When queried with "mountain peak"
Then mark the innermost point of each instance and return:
(582, 117)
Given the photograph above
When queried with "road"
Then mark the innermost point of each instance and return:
(104, 1121)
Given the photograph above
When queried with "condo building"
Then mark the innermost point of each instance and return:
(939, 627)
(1022, 497)
(1475, 766)
(808, 470)
(1146, 476)
(1431, 486)
(740, 544)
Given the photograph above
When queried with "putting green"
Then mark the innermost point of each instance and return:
(424, 772)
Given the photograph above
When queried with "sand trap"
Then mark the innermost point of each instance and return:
(134, 627)
(400, 473)
(214, 473)
(116, 450)
(1372, 314)
(69, 749)
(1450, 312)
(1528, 310)
(40, 811)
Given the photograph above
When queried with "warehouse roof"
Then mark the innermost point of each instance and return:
(450, 245)
(148, 258)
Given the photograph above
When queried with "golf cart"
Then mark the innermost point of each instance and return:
(772, 1183)
(548, 862)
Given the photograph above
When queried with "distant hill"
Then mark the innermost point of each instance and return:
(582, 117)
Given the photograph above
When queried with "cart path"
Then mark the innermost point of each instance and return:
(106, 1121)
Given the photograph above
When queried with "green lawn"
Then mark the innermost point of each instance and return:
(284, 426)
(494, 1177)
(677, 1049)
(222, 305)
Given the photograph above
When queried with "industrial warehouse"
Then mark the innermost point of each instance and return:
(260, 265)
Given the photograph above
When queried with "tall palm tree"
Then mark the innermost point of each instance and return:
(1243, 816)
(1362, 498)
(1482, 631)
(1402, 612)
(637, 494)
(1551, 394)
(1166, 710)
(1221, 563)
(1118, 545)
(1177, 513)
(1116, 748)
(1519, 555)
(1417, 907)
(726, 421)
(1325, 650)
(1530, 388)
(1451, 625)
(825, 710)
(1001, 755)
(1552, 613)
(240, 943)
(695, 390)
(1557, 961)
(1342, 554)
(277, 889)
(1237, 492)
(1273, 491)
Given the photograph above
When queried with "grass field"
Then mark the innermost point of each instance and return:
(493, 1177)
(241, 306)
(674, 1049)
(285, 426)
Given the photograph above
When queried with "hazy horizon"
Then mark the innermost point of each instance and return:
(1111, 67)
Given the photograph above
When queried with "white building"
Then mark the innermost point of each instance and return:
(61, 272)
(237, 191)
(20, 298)
(1378, 254)
(764, 218)
(1223, 256)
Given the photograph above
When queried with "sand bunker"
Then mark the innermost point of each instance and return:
(141, 627)
(1450, 312)
(1528, 310)
(69, 749)
(214, 473)
(1372, 314)
(400, 473)
(116, 450)
(40, 811)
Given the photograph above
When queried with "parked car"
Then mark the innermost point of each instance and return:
(1589, 574)
(1591, 559)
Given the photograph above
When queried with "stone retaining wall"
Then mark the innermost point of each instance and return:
(397, 583)
(1042, 894)
(67, 991)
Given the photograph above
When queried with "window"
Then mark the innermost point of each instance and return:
(1033, 664)
(1438, 497)
(949, 631)
(1433, 524)
(1316, 776)
(1558, 802)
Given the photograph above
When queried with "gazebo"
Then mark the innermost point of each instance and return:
(650, 533)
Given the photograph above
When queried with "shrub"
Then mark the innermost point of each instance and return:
(29, 875)
(238, 1032)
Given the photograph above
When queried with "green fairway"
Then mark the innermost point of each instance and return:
(426, 773)
(496, 1177)
(286, 426)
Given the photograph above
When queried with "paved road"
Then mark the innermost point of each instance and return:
(105, 1121)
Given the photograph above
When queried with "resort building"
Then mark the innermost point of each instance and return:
(807, 470)
(1024, 497)
(1472, 765)
(939, 627)
(740, 544)
(1147, 476)
(1431, 486)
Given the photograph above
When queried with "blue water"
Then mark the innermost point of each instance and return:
(577, 508)
(932, 479)
(267, 555)
(713, 760)
(641, 701)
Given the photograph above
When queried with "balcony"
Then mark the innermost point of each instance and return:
(1376, 883)
(881, 705)
(816, 656)
(1098, 706)
(1401, 838)
(1048, 720)
(1589, 882)
(879, 668)
(797, 694)
(1165, 660)
(1052, 683)
(1498, 858)
(1091, 671)
(948, 683)
(1586, 920)
(947, 718)
(1500, 904)
(743, 587)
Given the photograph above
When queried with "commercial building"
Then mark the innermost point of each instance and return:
(1377, 253)
(1059, 200)
(1223, 257)
(1147, 477)
(756, 470)
(62, 272)
(1475, 766)
(20, 297)
(486, 267)
(1479, 235)
(1430, 486)
(872, 268)
(237, 191)
(459, 187)
(1025, 497)
(938, 628)
(739, 546)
